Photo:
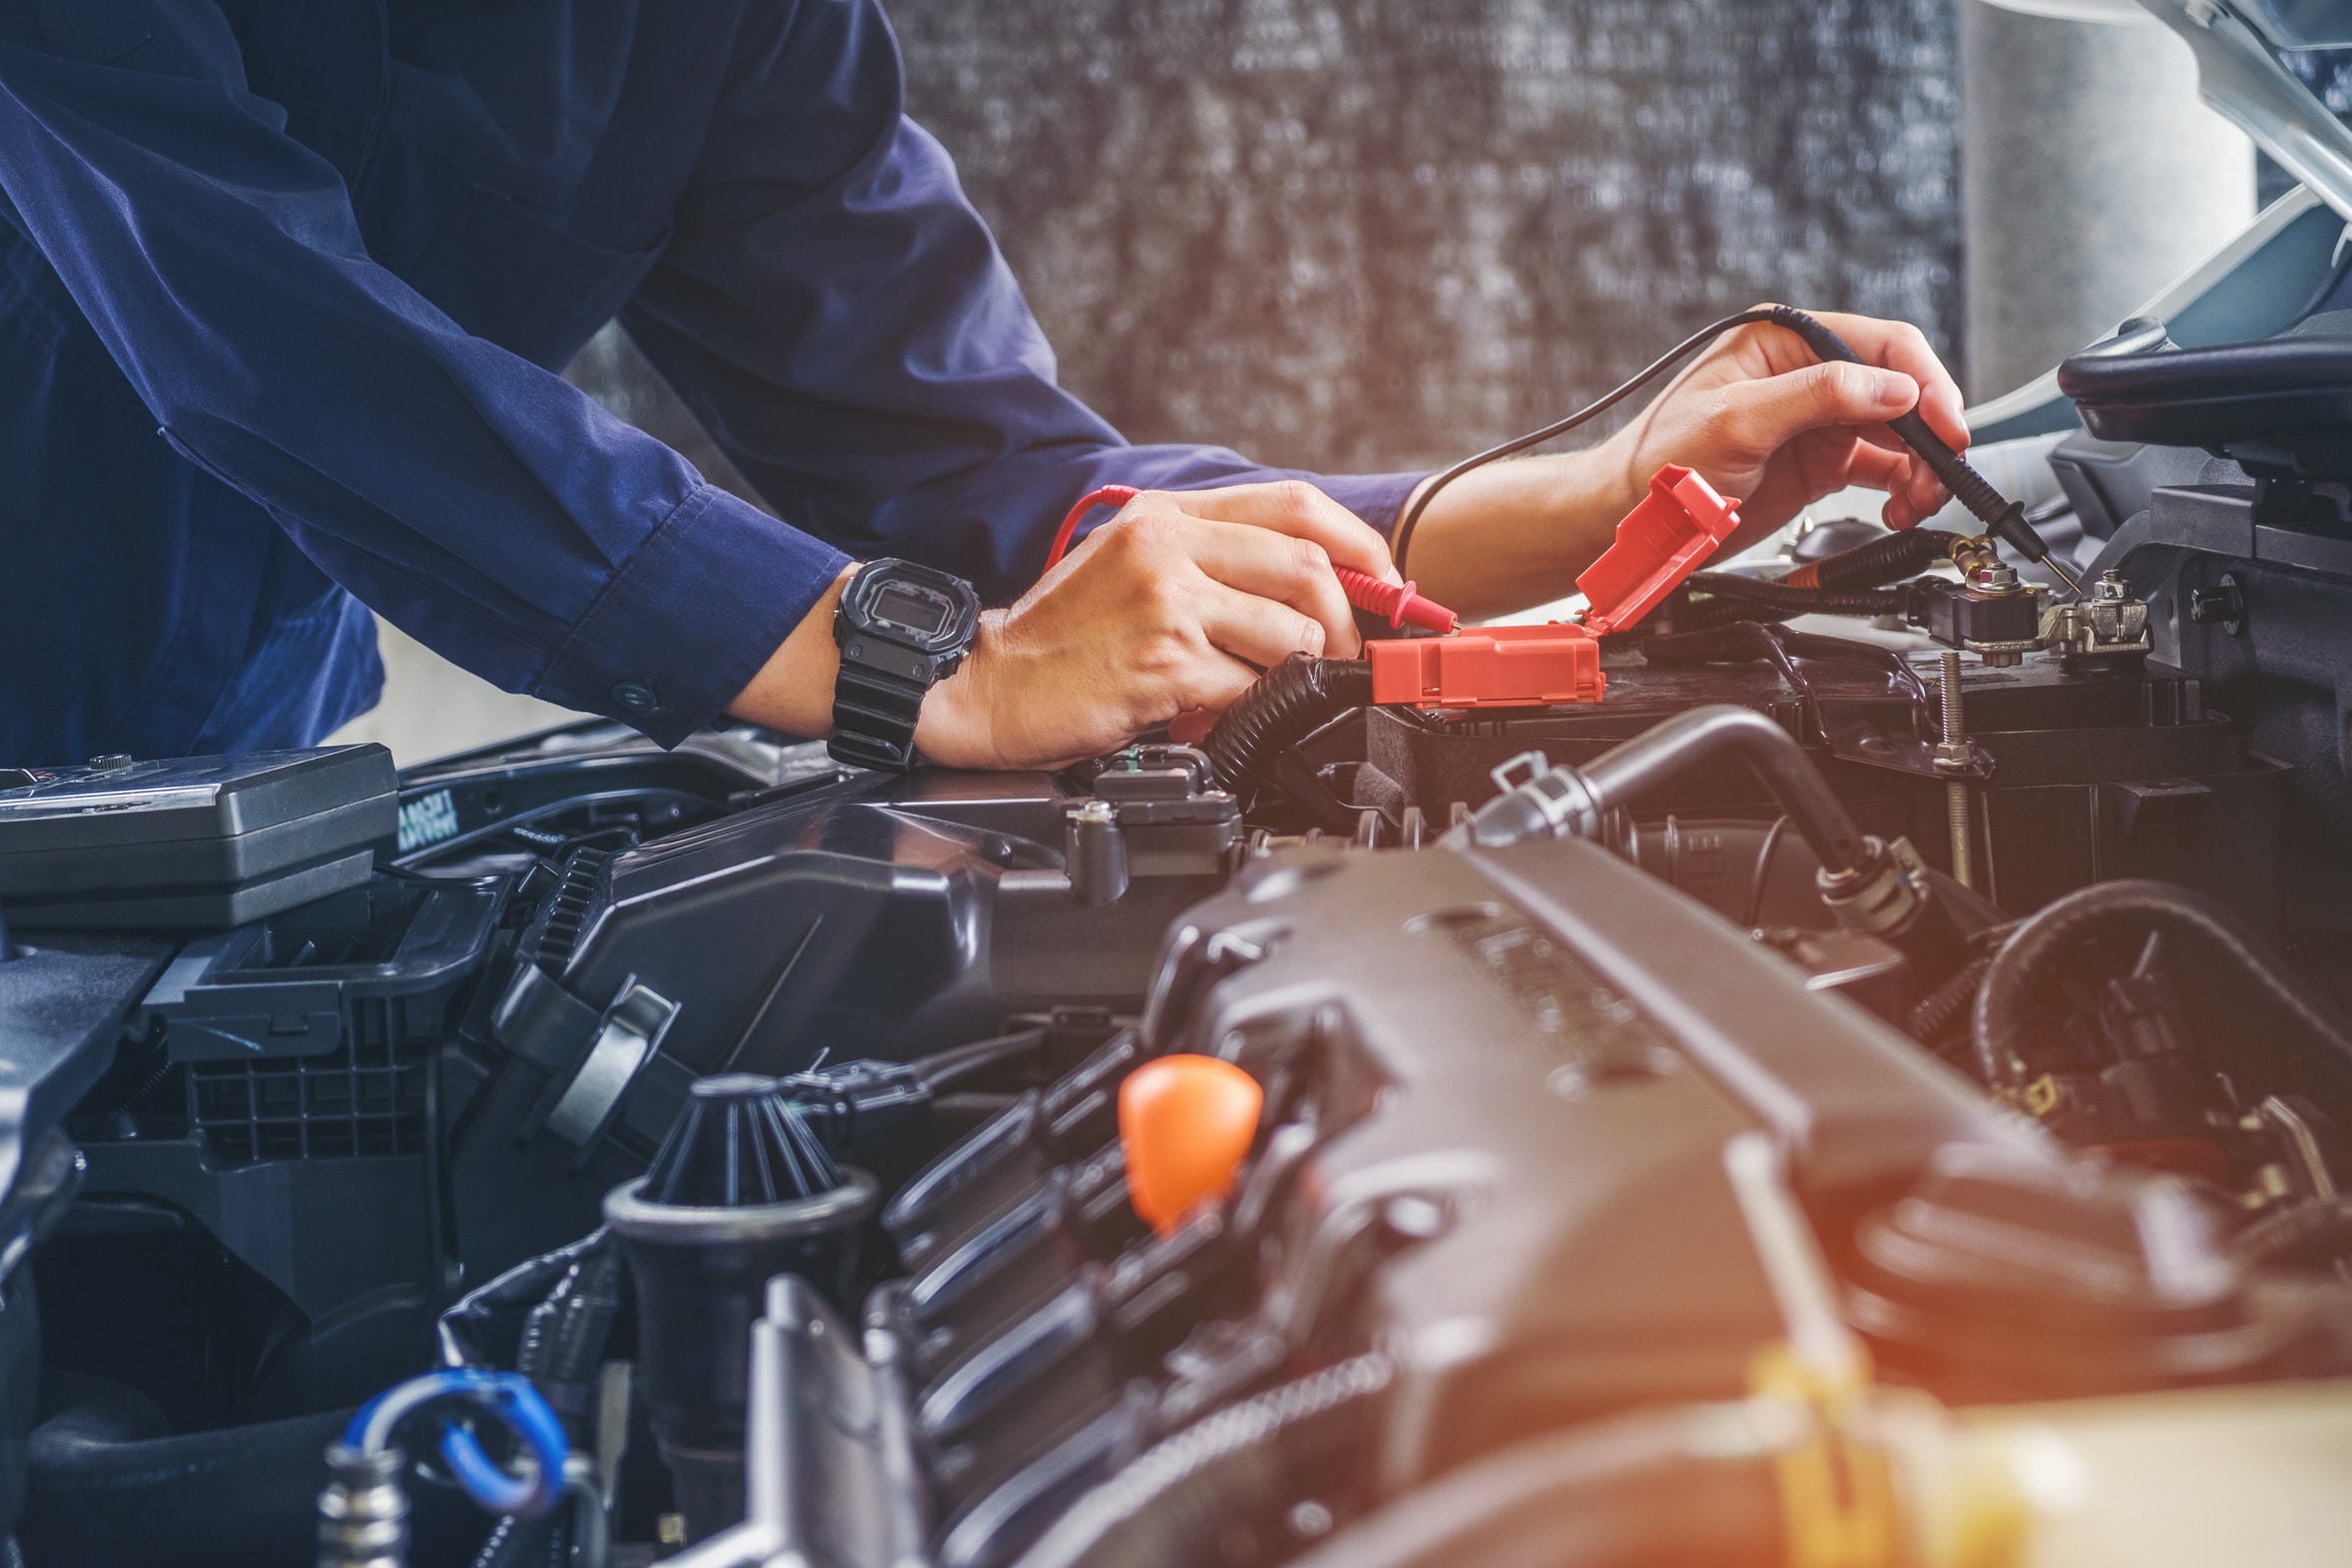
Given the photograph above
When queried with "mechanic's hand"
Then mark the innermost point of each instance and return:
(1173, 607)
(1764, 420)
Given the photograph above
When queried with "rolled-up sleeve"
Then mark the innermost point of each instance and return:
(838, 317)
(475, 500)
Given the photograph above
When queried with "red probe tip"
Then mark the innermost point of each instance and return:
(1401, 605)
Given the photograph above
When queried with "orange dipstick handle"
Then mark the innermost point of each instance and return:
(1186, 1123)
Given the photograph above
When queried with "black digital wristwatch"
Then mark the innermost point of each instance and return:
(901, 629)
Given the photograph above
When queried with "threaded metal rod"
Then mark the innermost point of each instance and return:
(364, 1513)
(1956, 790)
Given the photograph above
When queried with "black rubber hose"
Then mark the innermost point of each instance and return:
(238, 1497)
(2310, 1236)
(1905, 553)
(2021, 966)
(1289, 703)
(1626, 772)
(1170, 1507)
(1798, 601)
(1627, 1492)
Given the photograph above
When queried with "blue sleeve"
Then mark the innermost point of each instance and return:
(839, 319)
(475, 500)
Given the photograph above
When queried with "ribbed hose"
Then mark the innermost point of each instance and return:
(1798, 601)
(528, 1280)
(2024, 962)
(1289, 703)
(563, 1337)
(1169, 1507)
(1948, 1003)
(562, 1345)
(1891, 559)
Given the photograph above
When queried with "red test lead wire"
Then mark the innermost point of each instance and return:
(1107, 495)
(1400, 607)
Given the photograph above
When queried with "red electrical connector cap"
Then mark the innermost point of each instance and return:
(1488, 666)
(1663, 541)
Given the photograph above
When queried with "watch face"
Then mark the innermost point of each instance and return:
(913, 605)
(921, 613)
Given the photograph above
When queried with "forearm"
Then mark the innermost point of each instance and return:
(794, 690)
(1516, 534)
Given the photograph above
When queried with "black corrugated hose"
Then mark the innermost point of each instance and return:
(1290, 701)
(528, 1280)
(1800, 601)
(2025, 961)
(1948, 1003)
(1905, 553)
(562, 1346)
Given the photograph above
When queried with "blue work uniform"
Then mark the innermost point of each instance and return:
(284, 285)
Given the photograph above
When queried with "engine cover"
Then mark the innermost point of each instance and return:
(1498, 1090)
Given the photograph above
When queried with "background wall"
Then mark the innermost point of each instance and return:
(1360, 233)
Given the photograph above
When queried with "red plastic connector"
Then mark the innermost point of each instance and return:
(1663, 541)
(1488, 666)
(1402, 607)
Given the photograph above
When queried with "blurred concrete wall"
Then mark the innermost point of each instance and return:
(1361, 234)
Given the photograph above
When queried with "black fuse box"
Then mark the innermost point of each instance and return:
(205, 841)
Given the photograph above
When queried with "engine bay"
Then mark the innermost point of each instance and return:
(1882, 1080)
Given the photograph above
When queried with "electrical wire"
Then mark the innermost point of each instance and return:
(509, 1397)
(1599, 405)
(1103, 495)
(2002, 518)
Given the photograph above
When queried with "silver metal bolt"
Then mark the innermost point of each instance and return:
(1956, 750)
(364, 1513)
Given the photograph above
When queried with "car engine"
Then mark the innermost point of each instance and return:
(1815, 1089)
(1844, 1058)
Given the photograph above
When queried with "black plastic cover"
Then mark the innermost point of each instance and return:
(201, 841)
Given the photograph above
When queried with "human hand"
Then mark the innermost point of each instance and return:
(1172, 608)
(1762, 420)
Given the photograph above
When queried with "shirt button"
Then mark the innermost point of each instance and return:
(634, 695)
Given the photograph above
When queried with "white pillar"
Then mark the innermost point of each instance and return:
(2091, 176)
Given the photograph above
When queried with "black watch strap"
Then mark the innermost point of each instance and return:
(873, 718)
